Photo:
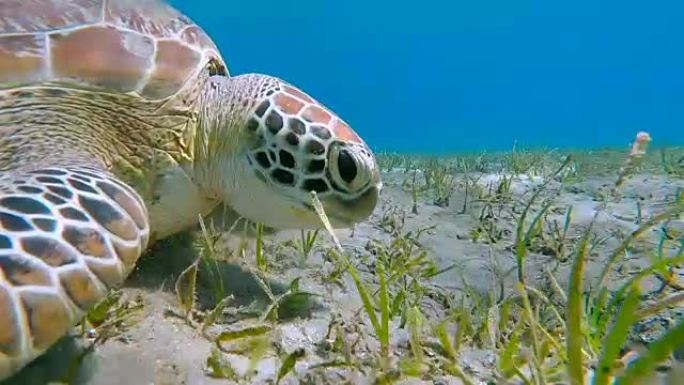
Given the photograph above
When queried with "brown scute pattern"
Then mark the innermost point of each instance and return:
(66, 257)
(48, 317)
(80, 186)
(288, 104)
(24, 205)
(88, 241)
(49, 250)
(54, 199)
(21, 58)
(120, 67)
(49, 171)
(13, 222)
(174, 63)
(45, 224)
(146, 16)
(72, 213)
(108, 273)
(49, 179)
(29, 189)
(5, 242)
(110, 218)
(81, 288)
(126, 202)
(103, 44)
(61, 191)
(35, 15)
(126, 189)
(9, 322)
(195, 36)
(297, 93)
(343, 132)
(128, 255)
(316, 114)
(21, 271)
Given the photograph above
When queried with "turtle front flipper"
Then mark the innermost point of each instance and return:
(67, 236)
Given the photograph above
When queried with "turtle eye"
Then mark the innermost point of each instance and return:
(347, 169)
(346, 165)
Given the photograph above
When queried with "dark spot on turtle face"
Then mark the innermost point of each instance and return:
(30, 189)
(297, 126)
(81, 186)
(321, 132)
(274, 122)
(49, 250)
(5, 242)
(72, 213)
(292, 139)
(13, 222)
(45, 224)
(261, 110)
(19, 182)
(316, 165)
(53, 198)
(315, 147)
(283, 176)
(346, 166)
(272, 155)
(49, 179)
(316, 185)
(286, 159)
(49, 171)
(24, 205)
(252, 125)
(270, 92)
(262, 159)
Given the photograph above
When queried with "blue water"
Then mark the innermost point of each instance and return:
(453, 75)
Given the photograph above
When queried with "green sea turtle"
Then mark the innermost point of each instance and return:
(119, 125)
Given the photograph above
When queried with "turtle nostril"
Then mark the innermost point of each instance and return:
(347, 166)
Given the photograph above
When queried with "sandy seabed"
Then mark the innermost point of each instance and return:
(161, 348)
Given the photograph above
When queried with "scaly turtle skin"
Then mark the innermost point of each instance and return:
(119, 125)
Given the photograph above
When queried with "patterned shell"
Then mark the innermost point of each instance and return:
(143, 47)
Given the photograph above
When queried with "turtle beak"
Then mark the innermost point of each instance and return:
(346, 213)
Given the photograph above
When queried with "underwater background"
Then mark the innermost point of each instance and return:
(449, 76)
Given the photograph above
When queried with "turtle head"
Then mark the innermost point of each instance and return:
(290, 146)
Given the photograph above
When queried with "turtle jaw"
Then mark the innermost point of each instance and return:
(347, 213)
(262, 201)
(259, 199)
